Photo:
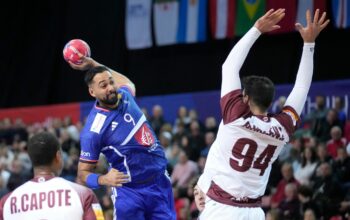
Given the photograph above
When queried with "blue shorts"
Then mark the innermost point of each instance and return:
(153, 201)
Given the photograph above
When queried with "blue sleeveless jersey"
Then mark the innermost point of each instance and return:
(126, 139)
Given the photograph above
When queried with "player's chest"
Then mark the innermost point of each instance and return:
(122, 125)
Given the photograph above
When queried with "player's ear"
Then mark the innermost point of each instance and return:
(245, 98)
(91, 91)
(58, 162)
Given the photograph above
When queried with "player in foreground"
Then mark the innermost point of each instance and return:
(249, 139)
(48, 196)
(117, 127)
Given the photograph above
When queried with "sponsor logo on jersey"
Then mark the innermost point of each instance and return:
(114, 125)
(85, 154)
(144, 136)
(98, 123)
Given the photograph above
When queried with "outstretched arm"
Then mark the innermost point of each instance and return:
(314, 26)
(120, 79)
(235, 60)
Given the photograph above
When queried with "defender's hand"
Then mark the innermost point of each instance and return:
(113, 178)
(268, 22)
(313, 26)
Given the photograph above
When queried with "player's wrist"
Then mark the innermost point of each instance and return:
(92, 181)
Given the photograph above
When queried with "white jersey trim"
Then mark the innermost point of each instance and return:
(121, 155)
(134, 130)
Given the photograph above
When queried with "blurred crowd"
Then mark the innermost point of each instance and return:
(309, 180)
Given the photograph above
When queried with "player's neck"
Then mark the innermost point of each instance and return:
(43, 171)
(257, 111)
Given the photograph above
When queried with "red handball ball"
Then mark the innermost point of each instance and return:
(71, 49)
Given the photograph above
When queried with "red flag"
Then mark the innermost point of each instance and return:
(288, 22)
(222, 18)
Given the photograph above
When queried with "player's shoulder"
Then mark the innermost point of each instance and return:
(5, 198)
(80, 189)
(125, 89)
(95, 123)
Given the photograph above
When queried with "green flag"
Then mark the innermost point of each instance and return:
(248, 11)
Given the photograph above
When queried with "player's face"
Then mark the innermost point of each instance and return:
(104, 89)
(199, 198)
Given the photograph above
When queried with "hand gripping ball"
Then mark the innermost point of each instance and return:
(73, 47)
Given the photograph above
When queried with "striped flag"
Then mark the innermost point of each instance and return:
(311, 5)
(222, 18)
(248, 11)
(288, 22)
(192, 21)
(165, 21)
(341, 15)
(138, 24)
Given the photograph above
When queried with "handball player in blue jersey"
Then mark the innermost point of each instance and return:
(117, 128)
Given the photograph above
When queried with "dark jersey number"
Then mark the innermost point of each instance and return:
(247, 157)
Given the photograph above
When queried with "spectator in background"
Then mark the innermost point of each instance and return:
(71, 128)
(341, 167)
(305, 195)
(165, 139)
(339, 107)
(288, 177)
(179, 131)
(272, 214)
(327, 191)
(344, 206)
(4, 177)
(307, 166)
(336, 141)
(211, 125)
(323, 126)
(289, 206)
(183, 171)
(145, 112)
(193, 115)
(182, 204)
(319, 113)
(157, 120)
(18, 174)
(209, 139)
(322, 156)
(280, 103)
(67, 141)
(182, 117)
(6, 155)
(196, 139)
(309, 215)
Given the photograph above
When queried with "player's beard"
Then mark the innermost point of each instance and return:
(110, 99)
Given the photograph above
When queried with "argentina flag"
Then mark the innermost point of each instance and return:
(192, 21)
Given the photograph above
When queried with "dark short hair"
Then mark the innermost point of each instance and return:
(305, 191)
(91, 73)
(42, 148)
(260, 90)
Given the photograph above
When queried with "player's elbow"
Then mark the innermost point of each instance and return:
(80, 177)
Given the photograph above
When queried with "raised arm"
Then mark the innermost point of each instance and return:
(314, 26)
(120, 79)
(235, 60)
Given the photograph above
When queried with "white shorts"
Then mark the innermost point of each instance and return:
(214, 210)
